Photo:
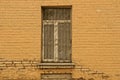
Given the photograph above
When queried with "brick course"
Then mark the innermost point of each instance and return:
(95, 34)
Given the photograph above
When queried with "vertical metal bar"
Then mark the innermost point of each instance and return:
(43, 43)
(56, 41)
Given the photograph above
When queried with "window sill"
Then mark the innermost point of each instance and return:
(56, 65)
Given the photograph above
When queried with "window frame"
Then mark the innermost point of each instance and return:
(61, 75)
(53, 22)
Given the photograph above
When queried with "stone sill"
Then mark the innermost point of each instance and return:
(56, 65)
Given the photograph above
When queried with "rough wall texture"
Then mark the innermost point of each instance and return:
(95, 36)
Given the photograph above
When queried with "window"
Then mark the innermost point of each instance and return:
(56, 76)
(56, 34)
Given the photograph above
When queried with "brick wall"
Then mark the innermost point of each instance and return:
(95, 32)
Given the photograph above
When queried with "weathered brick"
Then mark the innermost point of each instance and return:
(95, 33)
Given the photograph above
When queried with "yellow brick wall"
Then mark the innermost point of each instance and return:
(95, 32)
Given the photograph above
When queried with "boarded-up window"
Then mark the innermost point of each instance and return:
(56, 35)
(56, 77)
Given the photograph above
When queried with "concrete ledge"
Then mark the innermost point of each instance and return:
(56, 65)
